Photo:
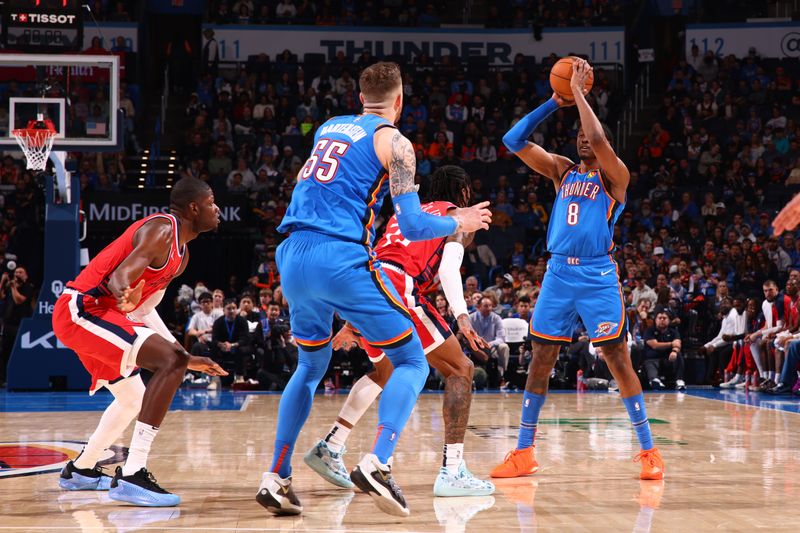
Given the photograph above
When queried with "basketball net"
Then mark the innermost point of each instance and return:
(36, 141)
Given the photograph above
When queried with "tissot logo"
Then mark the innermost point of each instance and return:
(42, 18)
(41, 457)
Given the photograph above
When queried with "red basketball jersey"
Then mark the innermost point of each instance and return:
(93, 281)
(419, 259)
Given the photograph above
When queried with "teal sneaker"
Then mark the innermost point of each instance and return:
(328, 464)
(461, 484)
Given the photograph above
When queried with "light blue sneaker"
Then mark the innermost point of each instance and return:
(461, 484)
(141, 489)
(73, 478)
(328, 464)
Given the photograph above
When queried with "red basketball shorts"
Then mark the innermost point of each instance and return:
(431, 327)
(106, 340)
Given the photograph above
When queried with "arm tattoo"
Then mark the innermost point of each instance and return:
(402, 167)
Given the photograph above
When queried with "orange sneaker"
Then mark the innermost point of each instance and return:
(652, 464)
(517, 463)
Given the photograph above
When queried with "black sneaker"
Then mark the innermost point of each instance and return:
(141, 488)
(780, 390)
(376, 480)
(74, 478)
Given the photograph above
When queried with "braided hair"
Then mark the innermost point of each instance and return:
(447, 184)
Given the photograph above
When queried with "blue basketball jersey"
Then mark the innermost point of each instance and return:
(341, 187)
(583, 217)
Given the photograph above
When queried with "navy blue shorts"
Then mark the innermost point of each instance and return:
(582, 287)
(321, 275)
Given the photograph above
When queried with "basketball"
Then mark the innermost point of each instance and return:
(560, 75)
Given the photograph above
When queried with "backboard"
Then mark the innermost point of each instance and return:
(78, 93)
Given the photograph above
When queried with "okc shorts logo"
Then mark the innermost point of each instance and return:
(604, 328)
(790, 44)
(42, 457)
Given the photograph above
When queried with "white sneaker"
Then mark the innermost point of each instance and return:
(275, 494)
(680, 385)
(462, 483)
(741, 385)
(657, 384)
(375, 478)
(731, 383)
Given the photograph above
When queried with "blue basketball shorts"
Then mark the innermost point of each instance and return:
(585, 287)
(322, 275)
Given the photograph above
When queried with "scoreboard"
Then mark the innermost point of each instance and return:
(43, 26)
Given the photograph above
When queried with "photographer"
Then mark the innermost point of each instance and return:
(281, 350)
(17, 293)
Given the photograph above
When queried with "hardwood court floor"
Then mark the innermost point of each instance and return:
(731, 467)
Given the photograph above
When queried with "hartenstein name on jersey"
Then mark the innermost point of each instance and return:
(585, 189)
(354, 131)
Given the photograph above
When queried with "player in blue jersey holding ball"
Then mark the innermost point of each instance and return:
(327, 265)
(582, 278)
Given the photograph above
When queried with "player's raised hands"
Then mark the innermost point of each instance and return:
(562, 102)
(130, 297)
(788, 218)
(581, 70)
(473, 218)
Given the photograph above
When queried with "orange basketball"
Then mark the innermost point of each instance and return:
(560, 75)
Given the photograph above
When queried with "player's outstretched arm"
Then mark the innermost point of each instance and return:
(533, 155)
(614, 169)
(450, 278)
(396, 154)
(150, 244)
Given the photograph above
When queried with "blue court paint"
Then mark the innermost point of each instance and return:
(200, 400)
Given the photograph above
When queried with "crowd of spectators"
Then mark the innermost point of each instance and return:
(388, 13)
(694, 239)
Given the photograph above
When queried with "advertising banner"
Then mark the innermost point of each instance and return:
(770, 39)
(601, 45)
(114, 212)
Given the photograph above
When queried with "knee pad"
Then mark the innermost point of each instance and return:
(128, 392)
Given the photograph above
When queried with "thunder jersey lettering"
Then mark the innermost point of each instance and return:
(583, 217)
(418, 259)
(341, 187)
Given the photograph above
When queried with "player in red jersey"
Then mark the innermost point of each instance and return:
(413, 268)
(107, 316)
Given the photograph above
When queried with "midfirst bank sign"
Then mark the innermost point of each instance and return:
(600, 45)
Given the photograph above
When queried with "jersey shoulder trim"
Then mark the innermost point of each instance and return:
(567, 171)
(381, 126)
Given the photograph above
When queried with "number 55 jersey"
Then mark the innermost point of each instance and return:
(341, 187)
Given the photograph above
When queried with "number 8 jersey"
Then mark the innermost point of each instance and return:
(341, 187)
(583, 216)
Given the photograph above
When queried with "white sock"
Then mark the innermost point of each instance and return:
(756, 351)
(128, 394)
(453, 455)
(337, 437)
(143, 436)
(361, 396)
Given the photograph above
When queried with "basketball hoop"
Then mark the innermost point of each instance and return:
(36, 142)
